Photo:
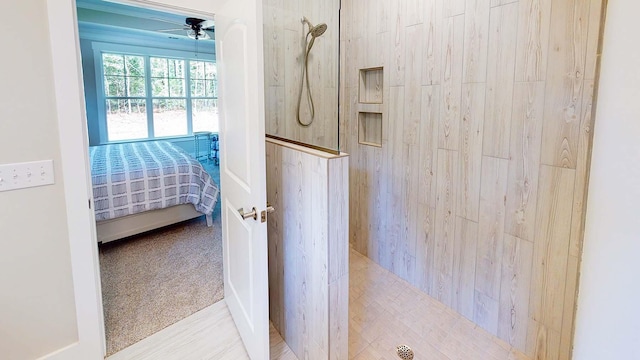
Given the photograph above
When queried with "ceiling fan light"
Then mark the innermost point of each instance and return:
(201, 36)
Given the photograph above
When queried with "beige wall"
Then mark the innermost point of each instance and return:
(476, 193)
(608, 317)
(37, 313)
(284, 41)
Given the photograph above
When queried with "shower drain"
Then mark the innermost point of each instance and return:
(404, 352)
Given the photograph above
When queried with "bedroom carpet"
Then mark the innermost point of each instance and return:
(153, 280)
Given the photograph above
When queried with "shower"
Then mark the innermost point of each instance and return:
(314, 31)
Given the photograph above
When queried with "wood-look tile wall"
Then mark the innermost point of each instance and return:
(309, 250)
(284, 48)
(477, 193)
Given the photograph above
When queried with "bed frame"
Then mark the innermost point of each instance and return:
(114, 229)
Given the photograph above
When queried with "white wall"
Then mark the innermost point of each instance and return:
(608, 320)
(37, 312)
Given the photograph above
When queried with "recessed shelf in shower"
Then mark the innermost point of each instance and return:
(370, 128)
(371, 86)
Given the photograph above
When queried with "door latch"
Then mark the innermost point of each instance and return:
(268, 210)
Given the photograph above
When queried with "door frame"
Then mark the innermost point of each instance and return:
(73, 137)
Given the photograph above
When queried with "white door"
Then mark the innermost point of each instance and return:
(242, 172)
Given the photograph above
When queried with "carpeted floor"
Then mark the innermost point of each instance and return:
(155, 279)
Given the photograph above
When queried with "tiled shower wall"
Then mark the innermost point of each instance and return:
(284, 45)
(476, 191)
(309, 249)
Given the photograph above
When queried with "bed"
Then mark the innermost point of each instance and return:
(141, 186)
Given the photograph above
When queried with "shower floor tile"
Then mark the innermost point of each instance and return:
(386, 311)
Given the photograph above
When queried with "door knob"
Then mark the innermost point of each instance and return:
(253, 214)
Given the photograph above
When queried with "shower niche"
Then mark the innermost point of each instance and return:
(370, 102)
(371, 85)
(370, 128)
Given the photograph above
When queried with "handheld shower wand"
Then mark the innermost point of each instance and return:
(314, 31)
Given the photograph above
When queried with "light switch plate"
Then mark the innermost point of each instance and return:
(26, 175)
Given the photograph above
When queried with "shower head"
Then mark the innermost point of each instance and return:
(315, 31)
(318, 30)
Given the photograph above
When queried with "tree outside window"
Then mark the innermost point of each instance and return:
(182, 96)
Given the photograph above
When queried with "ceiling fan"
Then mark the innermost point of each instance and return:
(197, 29)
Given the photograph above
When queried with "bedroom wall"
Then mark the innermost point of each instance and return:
(90, 33)
(37, 311)
(474, 188)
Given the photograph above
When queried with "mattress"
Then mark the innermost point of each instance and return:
(131, 178)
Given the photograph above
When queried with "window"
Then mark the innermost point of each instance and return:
(204, 95)
(125, 95)
(181, 95)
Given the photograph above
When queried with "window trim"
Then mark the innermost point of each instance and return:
(147, 52)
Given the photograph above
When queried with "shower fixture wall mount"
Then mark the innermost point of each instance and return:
(314, 32)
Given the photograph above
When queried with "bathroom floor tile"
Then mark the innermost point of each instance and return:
(386, 311)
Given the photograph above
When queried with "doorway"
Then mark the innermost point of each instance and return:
(242, 124)
(151, 102)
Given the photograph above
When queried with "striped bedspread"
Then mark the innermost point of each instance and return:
(135, 177)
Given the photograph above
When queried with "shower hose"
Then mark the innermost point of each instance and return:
(305, 76)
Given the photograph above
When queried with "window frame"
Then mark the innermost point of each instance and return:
(147, 53)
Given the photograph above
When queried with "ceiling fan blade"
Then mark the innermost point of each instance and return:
(171, 30)
(167, 21)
